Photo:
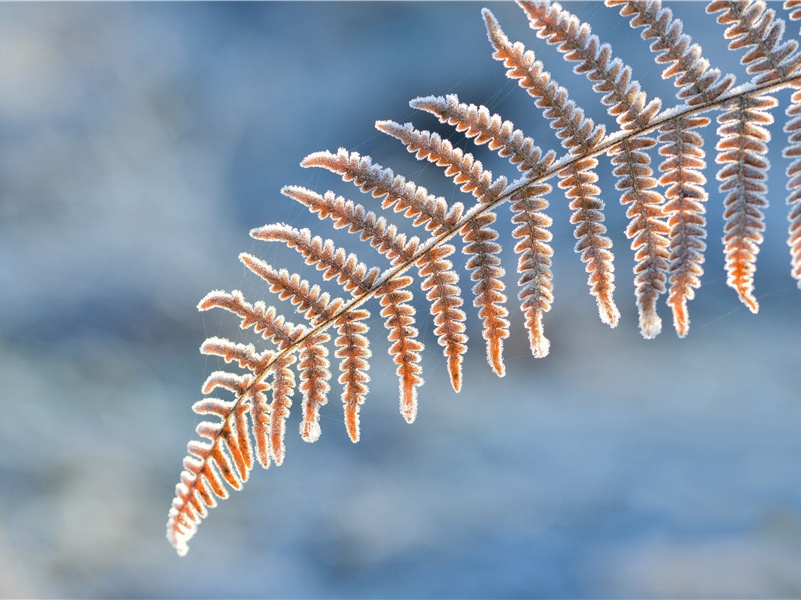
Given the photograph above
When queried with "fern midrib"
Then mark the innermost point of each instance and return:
(569, 160)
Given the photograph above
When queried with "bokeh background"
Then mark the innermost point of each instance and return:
(139, 143)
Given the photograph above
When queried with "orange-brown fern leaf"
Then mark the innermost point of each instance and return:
(353, 349)
(629, 105)
(314, 367)
(284, 334)
(354, 277)
(405, 347)
(250, 428)
(697, 82)
(742, 151)
(467, 172)
(478, 123)
(752, 25)
(403, 196)
(382, 235)
(244, 354)
(578, 181)
(315, 373)
(626, 101)
(264, 320)
(683, 148)
(317, 307)
(283, 386)
(485, 128)
(227, 456)
(441, 283)
(478, 236)
(534, 261)
(486, 271)
(322, 254)
(793, 152)
(579, 135)
(396, 301)
(682, 175)
(647, 228)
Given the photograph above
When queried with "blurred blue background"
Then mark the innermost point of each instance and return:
(139, 143)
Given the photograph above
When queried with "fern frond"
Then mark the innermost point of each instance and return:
(647, 229)
(629, 104)
(314, 365)
(742, 152)
(315, 373)
(624, 97)
(486, 271)
(401, 195)
(476, 122)
(697, 82)
(579, 135)
(578, 180)
(264, 320)
(752, 25)
(534, 261)
(405, 348)
(667, 233)
(683, 176)
(226, 457)
(398, 310)
(479, 238)
(467, 172)
(351, 343)
(441, 284)
(353, 349)
(346, 213)
(351, 274)
(283, 387)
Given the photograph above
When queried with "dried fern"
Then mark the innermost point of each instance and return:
(667, 228)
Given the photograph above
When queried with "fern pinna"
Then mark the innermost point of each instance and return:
(666, 213)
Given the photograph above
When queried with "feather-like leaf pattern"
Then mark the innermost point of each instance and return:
(667, 228)
(647, 229)
(534, 261)
(467, 172)
(742, 151)
(579, 135)
(404, 196)
(440, 283)
(399, 314)
(485, 128)
(684, 179)
(752, 25)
